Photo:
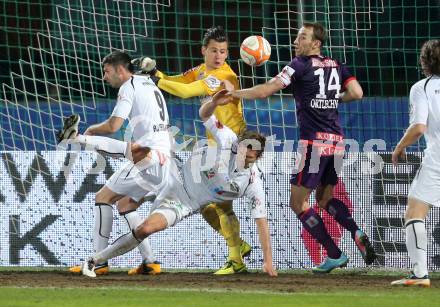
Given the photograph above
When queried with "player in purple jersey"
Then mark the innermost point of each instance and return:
(319, 84)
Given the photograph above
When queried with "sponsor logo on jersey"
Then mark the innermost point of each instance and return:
(437, 92)
(326, 136)
(331, 151)
(212, 82)
(326, 62)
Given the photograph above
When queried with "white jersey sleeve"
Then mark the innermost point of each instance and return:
(418, 105)
(256, 196)
(125, 100)
(223, 135)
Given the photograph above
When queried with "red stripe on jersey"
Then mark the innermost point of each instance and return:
(348, 81)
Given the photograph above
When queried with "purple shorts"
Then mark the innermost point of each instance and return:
(317, 166)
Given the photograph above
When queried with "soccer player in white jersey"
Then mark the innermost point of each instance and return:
(141, 102)
(424, 192)
(211, 174)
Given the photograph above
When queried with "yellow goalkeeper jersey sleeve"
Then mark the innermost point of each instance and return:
(199, 82)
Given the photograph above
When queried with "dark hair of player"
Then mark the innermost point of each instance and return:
(216, 33)
(319, 32)
(253, 135)
(430, 57)
(117, 58)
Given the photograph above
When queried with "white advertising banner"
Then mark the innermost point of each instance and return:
(47, 199)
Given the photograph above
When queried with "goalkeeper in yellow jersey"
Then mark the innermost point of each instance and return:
(204, 81)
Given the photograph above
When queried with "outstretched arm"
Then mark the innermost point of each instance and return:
(182, 90)
(208, 108)
(260, 91)
(266, 246)
(204, 87)
(147, 65)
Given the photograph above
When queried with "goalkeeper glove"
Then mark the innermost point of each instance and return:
(144, 65)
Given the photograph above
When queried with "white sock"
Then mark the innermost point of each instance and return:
(122, 245)
(103, 216)
(416, 244)
(104, 145)
(134, 220)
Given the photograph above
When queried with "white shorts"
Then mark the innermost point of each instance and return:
(426, 186)
(138, 180)
(172, 211)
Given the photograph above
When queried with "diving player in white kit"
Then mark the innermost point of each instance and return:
(230, 173)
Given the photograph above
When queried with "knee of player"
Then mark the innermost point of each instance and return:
(143, 231)
(416, 209)
(101, 197)
(126, 205)
(107, 196)
(322, 203)
(298, 206)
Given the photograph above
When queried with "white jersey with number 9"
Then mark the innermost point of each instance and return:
(142, 103)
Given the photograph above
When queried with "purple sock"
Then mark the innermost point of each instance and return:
(340, 213)
(313, 223)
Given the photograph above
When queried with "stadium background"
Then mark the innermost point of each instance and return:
(50, 67)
